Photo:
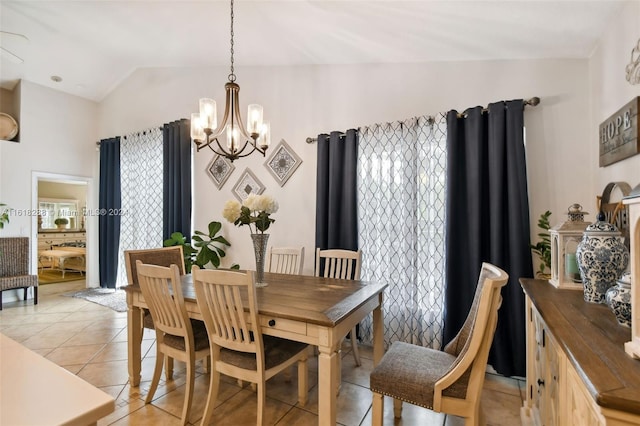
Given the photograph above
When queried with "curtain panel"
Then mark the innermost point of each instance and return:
(176, 181)
(488, 220)
(336, 203)
(401, 193)
(109, 202)
(142, 171)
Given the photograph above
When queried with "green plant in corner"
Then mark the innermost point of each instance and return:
(543, 247)
(206, 247)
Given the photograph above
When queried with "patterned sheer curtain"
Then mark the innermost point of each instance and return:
(401, 215)
(141, 169)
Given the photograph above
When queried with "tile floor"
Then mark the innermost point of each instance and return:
(90, 341)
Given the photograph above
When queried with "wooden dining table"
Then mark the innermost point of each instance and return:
(314, 310)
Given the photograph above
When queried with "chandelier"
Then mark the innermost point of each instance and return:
(205, 131)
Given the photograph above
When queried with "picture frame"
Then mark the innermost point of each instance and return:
(283, 162)
(246, 185)
(219, 169)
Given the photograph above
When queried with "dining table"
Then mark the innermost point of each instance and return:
(315, 310)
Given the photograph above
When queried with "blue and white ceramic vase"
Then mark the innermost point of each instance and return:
(619, 299)
(602, 258)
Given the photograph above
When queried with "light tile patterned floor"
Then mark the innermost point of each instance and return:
(91, 341)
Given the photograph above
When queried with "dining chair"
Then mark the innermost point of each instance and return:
(161, 256)
(227, 301)
(450, 380)
(344, 265)
(177, 336)
(285, 260)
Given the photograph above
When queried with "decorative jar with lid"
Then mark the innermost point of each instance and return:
(619, 299)
(602, 258)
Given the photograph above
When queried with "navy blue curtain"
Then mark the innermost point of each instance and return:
(336, 189)
(487, 215)
(177, 179)
(109, 203)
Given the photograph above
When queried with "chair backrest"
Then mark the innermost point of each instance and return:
(472, 343)
(220, 296)
(164, 256)
(285, 260)
(337, 263)
(162, 291)
(14, 256)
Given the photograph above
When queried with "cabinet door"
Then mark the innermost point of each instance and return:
(581, 408)
(552, 382)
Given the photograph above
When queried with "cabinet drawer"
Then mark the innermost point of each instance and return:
(581, 407)
(284, 325)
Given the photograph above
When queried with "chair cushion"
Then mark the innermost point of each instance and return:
(276, 351)
(18, 281)
(409, 372)
(200, 337)
(147, 319)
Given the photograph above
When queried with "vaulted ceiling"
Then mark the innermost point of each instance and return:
(94, 45)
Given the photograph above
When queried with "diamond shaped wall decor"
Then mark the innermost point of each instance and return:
(247, 184)
(219, 169)
(283, 162)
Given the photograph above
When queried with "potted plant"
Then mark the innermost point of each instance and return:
(61, 222)
(543, 247)
(207, 247)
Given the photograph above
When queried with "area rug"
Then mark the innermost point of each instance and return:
(49, 276)
(114, 299)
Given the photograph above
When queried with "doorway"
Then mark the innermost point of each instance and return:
(65, 235)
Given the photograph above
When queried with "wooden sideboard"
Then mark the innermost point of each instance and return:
(46, 240)
(577, 370)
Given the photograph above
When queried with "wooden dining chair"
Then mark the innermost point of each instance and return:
(344, 265)
(285, 260)
(448, 381)
(161, 256)
(177, 336)
(227, 301)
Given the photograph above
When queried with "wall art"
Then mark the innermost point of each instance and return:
(633, 69)
(618, 138)
(246, 185)
(219, 169)
(282, 162)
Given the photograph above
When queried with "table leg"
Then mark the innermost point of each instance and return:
(378, 333)
(327, 375)
(134, 341)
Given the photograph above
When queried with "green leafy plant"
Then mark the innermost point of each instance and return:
(204, 249)
(543, 247)
(4, 215)
(61, 221)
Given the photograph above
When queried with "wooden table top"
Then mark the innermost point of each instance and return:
(593, 341)
(315, 300)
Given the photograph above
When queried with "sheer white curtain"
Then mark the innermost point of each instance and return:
(401, 209)
(141, 168)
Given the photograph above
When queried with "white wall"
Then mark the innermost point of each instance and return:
(306, 100)
(610, 91)
(57, 136)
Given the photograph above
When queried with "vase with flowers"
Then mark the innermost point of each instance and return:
(255, 212)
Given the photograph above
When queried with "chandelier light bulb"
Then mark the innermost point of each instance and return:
(208, 114)
(197, 131)
(254, 116)
(265, 135)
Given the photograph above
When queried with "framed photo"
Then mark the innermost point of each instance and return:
(282, 162)
(247, 184)
(219, 169)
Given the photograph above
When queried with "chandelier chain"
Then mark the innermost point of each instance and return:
(232, 76)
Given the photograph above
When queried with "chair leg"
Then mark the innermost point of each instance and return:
(0, 300)
(397, 408)
(214, 383)
(377, 409)
(188, 395)
(354, 347)
(168, 368)
(25, 293)
(261, 401)
(156, 376)
(35, 295)
(303, 381)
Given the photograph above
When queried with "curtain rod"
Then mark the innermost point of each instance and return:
(125, 136)
(532, 101)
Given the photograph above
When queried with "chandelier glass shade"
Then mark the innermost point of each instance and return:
(241, 141)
